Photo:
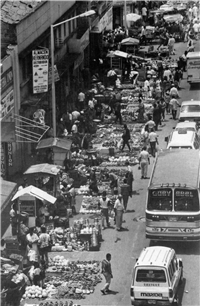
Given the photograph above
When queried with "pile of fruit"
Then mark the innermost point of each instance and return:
(79, 279)
(35, 292)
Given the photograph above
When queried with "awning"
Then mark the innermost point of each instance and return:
(173, 18)
(54, 143)
(130, 41)
(35, 192)
(47, 169)
(7, 191)
(118, 53)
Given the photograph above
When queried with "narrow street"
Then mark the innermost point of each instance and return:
(132, 239)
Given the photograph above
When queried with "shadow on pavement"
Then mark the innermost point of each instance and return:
(124, 229)
(181, 290)
(130, 210)
(135, 192)
(112, 292)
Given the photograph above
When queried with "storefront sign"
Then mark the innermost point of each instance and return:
(10, 155)
(104, 22)
(79, 61)
(161, 193)
(56, 75)
(6, 80)
(3, 164)
(7, 104)
(40, 60)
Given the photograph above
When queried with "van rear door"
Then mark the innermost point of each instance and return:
(151, 283)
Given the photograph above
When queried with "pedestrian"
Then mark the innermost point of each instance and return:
(174, 106)
(119, 209)
(153, 140)
(167, 100)
(107, 273)
(126, 137)
(156, 115)
(141, 110)
(163, 107)
(143, 35)
(74, 129)
(167, 72)
(93, 182)
(118, 113)
(150, 124)
(72, 194)
(81, 101)
(14, 214)
(144, 161)
(130, 179)
(124, 191)
(44, 244)
(144, 13)
(114, 183)
(194, 11)
(171, 43)
(174, 92)
(104, 204)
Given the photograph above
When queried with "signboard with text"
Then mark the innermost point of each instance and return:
(40, 59)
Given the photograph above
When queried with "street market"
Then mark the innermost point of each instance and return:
(81, 184)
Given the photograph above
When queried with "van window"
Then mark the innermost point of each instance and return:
(186, 200)
(149, 275)
(160, 199)
(180, 147)
(190, 108)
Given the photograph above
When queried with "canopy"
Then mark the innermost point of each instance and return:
(130, 41)
(35, 192)
(47, 169)
(54, 143)
(7, 191)
(173, 18)
(121, 54)
(133, 17)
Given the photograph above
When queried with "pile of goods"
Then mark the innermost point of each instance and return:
(90, 205)
(119, 161)
(57, 303)
(78, 279)
(36, 292)
(83, 189)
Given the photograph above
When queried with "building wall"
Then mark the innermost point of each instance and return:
(39, 21)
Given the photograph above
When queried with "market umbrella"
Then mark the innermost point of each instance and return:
(133, 17)
(130, 41)
(173, 18)
(111, 73)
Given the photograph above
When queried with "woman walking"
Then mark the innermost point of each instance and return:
(119, 209)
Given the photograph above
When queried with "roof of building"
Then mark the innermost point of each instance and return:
(13, 12)
(169, 168)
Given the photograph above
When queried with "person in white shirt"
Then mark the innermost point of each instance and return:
(196, 29)
(174, 106)
(81, 99)
(75, 127)
(195, 11)
(144, 161)
(104, 204)
(174, 92)
(171, 43)
(190, 12)
(75, 115)
(144, 13)
(167, 73)
(153, 140)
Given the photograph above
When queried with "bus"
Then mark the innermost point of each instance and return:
(173, 197)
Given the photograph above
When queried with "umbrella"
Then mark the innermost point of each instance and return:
(173, 18)
(133, 17)
(111, 73)
(130, 41)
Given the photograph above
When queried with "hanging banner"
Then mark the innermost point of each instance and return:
(40, 59)
(10, 153)
(3, 162)
(56, 75)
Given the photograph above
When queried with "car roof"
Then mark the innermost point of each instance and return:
(184, 138)
(155, 256)
(190, 102)
(185, 125)
(193, 54)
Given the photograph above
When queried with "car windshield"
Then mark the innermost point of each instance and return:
(180, 147)
(160, 199)
(190, 108)
(182, 130)
(186, 200)
(149, 275)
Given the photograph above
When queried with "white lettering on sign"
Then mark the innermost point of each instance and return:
(161, 193)
(40, 60)
(10, 159)
(151, 285)
(185, 194)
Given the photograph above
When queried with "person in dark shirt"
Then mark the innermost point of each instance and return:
(107, 272)
(118, 113)
(126, 137)
(156, 116)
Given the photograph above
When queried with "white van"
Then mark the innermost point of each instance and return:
(190, 111)
(193, 67)
(156, 277)
(183, 139)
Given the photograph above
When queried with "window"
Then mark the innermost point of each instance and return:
(186, 200)
(190, 108)
(160, 199)
(149, 275)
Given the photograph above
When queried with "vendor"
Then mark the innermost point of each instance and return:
(93, 181)
(23, 230)
(114, 183)
(14, 219)
(43, 212)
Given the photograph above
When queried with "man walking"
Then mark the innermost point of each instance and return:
(126, 137)
(153, 140)
(144, 160)
(104, 204)
(107, 272)
(174, 106)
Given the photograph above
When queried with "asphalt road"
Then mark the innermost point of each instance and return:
(132, 239)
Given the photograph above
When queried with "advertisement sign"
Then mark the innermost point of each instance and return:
(7, 104)
(40, 59)
(104, 22)
(6, 80)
